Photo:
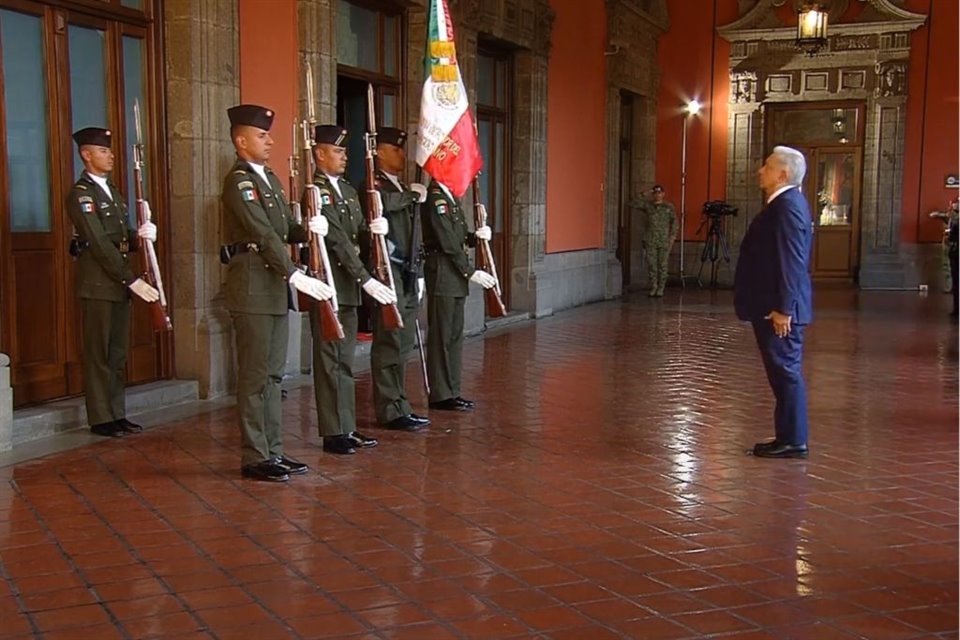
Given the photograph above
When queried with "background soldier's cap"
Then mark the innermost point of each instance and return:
(251, 115)
(392, 135)
(657, 188)
(93, 135)
(330, 134)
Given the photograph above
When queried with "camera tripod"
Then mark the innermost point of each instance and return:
(713, 247)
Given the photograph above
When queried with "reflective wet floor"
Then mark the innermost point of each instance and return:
(599, 490)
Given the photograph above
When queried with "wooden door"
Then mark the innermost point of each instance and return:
(62, 70)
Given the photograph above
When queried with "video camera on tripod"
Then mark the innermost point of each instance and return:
(715, 245)
(718, 209)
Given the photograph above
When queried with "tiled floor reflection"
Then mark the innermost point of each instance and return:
(599, 491)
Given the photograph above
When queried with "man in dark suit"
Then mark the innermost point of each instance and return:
(773, 293)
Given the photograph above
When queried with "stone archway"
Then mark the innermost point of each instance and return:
(865, 60)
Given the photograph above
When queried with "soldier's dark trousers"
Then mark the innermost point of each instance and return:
(333, 382)
(658, 261)
(954, 274)
(106, 331)
(261, 356)
(389, 353)
(444, 346)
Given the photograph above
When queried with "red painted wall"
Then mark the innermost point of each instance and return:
(685, 55)
(931, 147)
(268, 68)
(576, 126)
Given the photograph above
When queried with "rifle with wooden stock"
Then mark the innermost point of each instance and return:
(380, 257)
(148, 255)
(318, 263)
(492, 297)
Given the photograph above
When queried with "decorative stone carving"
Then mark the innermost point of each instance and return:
(890, 78)
(743, 86)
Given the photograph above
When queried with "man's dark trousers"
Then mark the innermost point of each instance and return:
(782, 360)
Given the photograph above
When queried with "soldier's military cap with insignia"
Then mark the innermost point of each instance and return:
(392, 135)
(93, 136)
(657, 188)
(250, 115)
(330, 134)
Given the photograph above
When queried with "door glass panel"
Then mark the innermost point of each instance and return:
(390, 24)
(356, 36)
(88, 82)
(133, 4)
(815, 126)
(389, 116)
(834, 189)
(25, 102)
(486, 92)
(483, 128)
(133, 82)
(497, 166)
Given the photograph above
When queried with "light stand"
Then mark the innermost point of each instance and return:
(692, 108)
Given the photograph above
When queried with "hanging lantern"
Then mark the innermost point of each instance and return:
(811, 28)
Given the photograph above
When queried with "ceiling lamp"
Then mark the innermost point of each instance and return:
(811, 28)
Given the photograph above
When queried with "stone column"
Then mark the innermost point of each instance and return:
(202, 82)
(529, 210)
(6, 404)
(613, 283)
(317, 44)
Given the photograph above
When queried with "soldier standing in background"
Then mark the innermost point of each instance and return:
(104, 282)
(660, 231)
(333, 361)
(391, 349)
(448, 275)
(256, 227)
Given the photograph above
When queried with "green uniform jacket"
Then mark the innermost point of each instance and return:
(445, 239)
(103, 268)
(661, 223)
(398, 209)
(257, 212)
(347, 224)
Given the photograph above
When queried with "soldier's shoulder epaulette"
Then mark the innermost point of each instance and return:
(80, 185)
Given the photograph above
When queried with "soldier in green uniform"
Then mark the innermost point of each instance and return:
(391, 349)
(448, 274)
(659, 234)
(256, 225)
(104, 281)
(333, 361)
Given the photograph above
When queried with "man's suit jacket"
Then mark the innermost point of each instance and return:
(773, 272)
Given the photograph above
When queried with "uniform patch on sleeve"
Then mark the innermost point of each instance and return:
(248, 195)
(87, 207)
(441, 208)
(245, 184)
(325, 198)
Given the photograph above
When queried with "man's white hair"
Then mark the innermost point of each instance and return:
(794, 162)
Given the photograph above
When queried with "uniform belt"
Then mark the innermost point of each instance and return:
(245, 247)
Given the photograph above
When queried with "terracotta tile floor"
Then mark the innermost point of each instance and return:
(600, 491)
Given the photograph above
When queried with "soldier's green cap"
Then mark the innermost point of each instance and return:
(93, 136)
(330, 134)
(657, 188)
(250, 115)
(392, 135)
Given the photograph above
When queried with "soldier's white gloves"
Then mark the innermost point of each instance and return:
(311, 286)
(483, 233)
(148, 231)
(420, 190)
(421, 287)
(318, 224)
(379, 291)
(144, 290)
(379, 226)
(483, 278)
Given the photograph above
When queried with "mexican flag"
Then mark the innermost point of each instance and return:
(447, 146)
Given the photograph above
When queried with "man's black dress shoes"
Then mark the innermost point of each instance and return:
(342, 445)
(452, 404)
(267, 471)
(108, 429)
(360, 440)
(292, 466)
(407, 423)
(129, 427)
(776, 449)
